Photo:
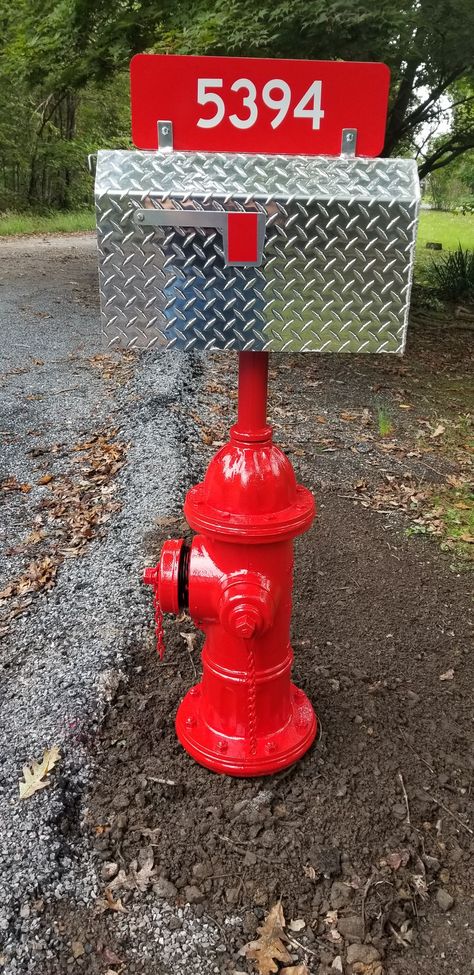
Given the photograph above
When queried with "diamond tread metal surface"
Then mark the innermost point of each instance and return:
(338, 253)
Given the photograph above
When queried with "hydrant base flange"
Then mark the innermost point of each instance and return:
(233, 756)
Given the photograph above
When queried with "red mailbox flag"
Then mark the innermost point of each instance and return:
(259, 104)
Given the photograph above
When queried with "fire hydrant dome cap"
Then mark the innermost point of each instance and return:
(253, 489)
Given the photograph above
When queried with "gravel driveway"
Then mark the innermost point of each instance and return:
(61, 655)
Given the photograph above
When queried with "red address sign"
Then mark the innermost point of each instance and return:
(259, 104)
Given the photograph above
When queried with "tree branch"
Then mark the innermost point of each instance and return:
(445, 154)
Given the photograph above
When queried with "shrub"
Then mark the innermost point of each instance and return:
(453, 275)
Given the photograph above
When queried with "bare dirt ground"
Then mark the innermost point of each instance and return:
(369, 840)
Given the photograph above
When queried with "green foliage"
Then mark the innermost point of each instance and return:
(64, 65)
(453, 186)
(453, 275)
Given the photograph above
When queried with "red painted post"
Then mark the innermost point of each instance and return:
(245, 717)
(253, 391)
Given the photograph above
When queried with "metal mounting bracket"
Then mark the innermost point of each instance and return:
(165, 136)
(349, 142)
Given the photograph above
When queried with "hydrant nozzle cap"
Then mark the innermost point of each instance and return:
(150, 576)
(246, 626)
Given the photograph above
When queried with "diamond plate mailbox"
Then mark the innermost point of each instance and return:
(255, 252)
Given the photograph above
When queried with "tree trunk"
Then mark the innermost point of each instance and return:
(400, 107)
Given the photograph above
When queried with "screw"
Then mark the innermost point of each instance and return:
(140, 217)
(222, 746)
(270, 747)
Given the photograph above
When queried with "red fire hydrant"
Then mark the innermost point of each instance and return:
(245, 717)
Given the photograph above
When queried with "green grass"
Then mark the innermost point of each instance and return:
(448, 229)
(384, 422)
(12, 224)
(451, 519)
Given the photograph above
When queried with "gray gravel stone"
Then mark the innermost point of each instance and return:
(444, 900)
(340, 895)
(193, 894)
(362, 954)
(351, 928)
(164, 888)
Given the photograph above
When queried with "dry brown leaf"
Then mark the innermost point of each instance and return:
(347, 416)
(45, 479)
(136, 879)
(111, 957)
(438, 431)
(269, 948)
(301, 969)
(11, 484)
(144, 877)
(448, 674)
(112, 905)
(466, 538)
(397, 859)
(36, 777)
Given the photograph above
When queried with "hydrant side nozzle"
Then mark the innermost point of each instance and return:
(150, 576)
(246, 609)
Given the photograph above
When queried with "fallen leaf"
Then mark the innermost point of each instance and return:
(345, 415)
(107, 903)
(143, 878)
(269, 948)
(310, 872)
(36, 777)
(448, 675)
(11, 484)
(111, 958)
(301, 969)
(297, 925)
(136, 879)
(45, 479)
(397, 859)
(438, 431)
(467, 538)
(189, 639)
